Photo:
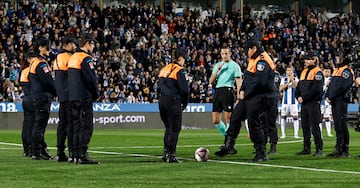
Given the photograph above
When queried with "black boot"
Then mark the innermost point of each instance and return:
(171, 157)
(306, 150)
(164, 155)
(272, 149)
(38, 155)
(46, 153)
(229, 147)
(346, 151)
(337, 151)
(71, 157)
(318, 152)
(260, 155)
(84, 159)
(61, 156)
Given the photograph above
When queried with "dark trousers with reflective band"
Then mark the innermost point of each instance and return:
(28, 123)
(42, 113)
(259, 111)
(170, 114)
(237, 116)
(65, 128)
(272, 132)
(82, 112)
(339, 111)
(310, 119)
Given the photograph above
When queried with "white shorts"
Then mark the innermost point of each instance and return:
(326, 111)
(289, 109)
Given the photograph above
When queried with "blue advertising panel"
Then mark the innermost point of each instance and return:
(113, 107)
(119, 107)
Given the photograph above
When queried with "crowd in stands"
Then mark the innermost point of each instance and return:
(135, 41)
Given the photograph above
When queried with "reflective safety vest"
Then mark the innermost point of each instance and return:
(61, 62)
(170, 71)
(35, 63)
(252, 67)
(25, 75)
(309, 75)
(339, 71)
(76, 60)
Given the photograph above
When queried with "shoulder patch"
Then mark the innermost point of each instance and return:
(91, 65)
(318, 76)
(346, 74)
(260, 66)
(45, 68)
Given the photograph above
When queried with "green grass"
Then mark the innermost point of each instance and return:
(131, 158)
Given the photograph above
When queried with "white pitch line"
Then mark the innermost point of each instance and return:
(183, 146)
(216, 161)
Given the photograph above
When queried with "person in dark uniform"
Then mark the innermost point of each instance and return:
(340, 84)
(272, 132)
(259, 92)
(27, 104)
(238, 115)
(83, 91)
(174, 91)
(65, 128)
(308, 93)
(43, 91)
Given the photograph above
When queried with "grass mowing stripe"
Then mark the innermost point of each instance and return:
(189, 159)
(152, 147)
(237, 163)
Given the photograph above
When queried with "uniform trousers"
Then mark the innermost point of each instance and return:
(82, 114)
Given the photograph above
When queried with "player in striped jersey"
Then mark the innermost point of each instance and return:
(289, 104)
(326, 113)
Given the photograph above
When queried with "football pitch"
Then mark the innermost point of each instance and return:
(132, 158)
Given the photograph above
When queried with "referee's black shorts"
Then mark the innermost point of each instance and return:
(223, 99)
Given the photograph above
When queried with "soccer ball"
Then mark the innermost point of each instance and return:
(202, 154)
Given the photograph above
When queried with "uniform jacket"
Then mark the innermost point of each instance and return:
(310, 86)
(25, 82)
(60, 66)
(81, 77)
(259, 77)
(341, 82)
(173, 83)
(42, 83)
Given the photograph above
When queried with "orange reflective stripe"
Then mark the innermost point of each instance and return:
(34, 63)
(25, 75)
(61, 62)
(170, 71)
(266, 37)
(262, 57)
(311, 75)
(339, 71)
(76, 59)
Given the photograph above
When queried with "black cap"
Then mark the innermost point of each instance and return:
(30, 54)
(86, 37)
(42, 42)
(180, 53)
(251, 43)
(68, 39)
(89, 37)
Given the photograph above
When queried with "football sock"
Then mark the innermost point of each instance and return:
(296, 127)
(328, 126)
(221, 128)
(282, 126)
